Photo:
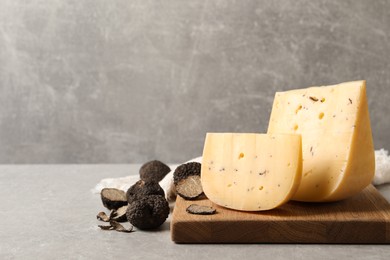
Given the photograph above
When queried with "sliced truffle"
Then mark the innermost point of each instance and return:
(114, 225)
(113, 198)
(185, 170)
(142, 188)
(118, 227)
(103, 216)
(200, 210)
(119, 215)
(148, 212)
(190, 187)
(153, 171)
(109, 227)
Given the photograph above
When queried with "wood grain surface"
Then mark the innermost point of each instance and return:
(362, 219)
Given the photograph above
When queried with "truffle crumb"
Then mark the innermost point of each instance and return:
(148, 212)
(154, 171)
(190, 187)
(113, 198)
(185, 170)
(143, 188)
(200, 210)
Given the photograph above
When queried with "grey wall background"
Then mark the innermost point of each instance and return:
(121, 81)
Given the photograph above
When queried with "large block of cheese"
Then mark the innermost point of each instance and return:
(337, 146)
(251, 172)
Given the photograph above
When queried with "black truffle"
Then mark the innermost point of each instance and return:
(185, 170)
(189, 188)
(119, 215)
(148, 212)
(114, 225)
(143, 188)
(200, 209)
(113, 198)
(154, 171)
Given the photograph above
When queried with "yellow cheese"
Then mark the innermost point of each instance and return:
(251, 172)
(337, 146)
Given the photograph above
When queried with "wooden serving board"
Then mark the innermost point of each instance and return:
(364, 218)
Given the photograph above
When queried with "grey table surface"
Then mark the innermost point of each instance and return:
(49, 212)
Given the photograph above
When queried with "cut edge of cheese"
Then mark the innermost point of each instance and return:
(355, 162)
(360, 169)
(251, 172)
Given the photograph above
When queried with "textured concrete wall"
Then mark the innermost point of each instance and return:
(94, 81)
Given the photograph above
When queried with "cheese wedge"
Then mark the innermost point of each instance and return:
(251, 172)
(337, 145)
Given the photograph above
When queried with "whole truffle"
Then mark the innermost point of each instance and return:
(148, 212)
(143, 188)
(185, 170)
(153, 171)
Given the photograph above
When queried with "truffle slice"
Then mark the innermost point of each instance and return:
(118, 227)
(154, 171)
(200, 210)
(114, 225)
(142, 188)
(113, 198)
(109, 227)
(103, 216)
(190, 187)
(119, 215)
(148, 212)
(185, 170)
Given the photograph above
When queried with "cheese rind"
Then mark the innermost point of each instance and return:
(251, 172)
(337, 146)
